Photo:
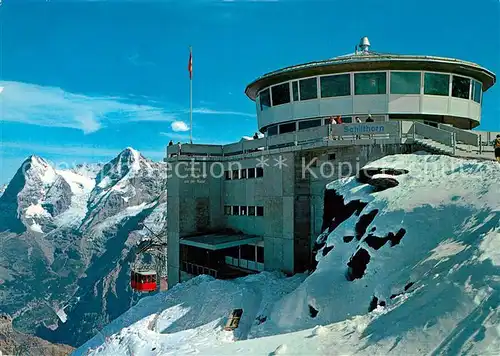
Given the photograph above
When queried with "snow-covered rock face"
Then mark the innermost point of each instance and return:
(406, 268)
(29, 202)
(66, 232)
(128, 180)
(413, 245)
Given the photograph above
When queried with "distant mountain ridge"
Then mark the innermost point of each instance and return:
(67, 241)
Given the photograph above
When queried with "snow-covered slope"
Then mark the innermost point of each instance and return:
(67, 242)
(412, 269)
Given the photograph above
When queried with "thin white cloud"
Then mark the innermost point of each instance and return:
(54, 107)
(179, 126)
(136, 60)
(207, 111)
(51, 106)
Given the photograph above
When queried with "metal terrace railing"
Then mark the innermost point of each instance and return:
(444, 139)
(197, 270)
(320, 134)
(464, 137)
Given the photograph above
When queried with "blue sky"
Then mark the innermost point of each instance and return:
(84, 79)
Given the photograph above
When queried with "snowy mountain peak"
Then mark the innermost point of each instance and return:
(127, 181)
(127, 163)
(37, 167)
(21, 205)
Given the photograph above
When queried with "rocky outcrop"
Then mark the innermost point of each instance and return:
(381, 184)
(15, 343)
(365, 175)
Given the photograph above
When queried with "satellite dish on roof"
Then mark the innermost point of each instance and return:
(364, 44)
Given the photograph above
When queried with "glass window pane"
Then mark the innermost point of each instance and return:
(259, 172)
(260, 254)
(236, 210)
(232, 252)
(265, 99)
(335, 85)
(243, 210)
(251, 210)
(405, 82)
(281, 94)
(295, 90)
(260, 211)
(308, 89)
(370, 83)
(248, 252)
(251, 172)
(272, 130)
(227, 210)
(436, 84)
(460, 87)
(235, 174)
(285, 128)
(243, 173)
(476, 96)
(309, 123)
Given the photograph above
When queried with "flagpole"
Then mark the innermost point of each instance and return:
(191, 98)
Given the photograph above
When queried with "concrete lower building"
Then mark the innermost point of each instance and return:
(258, 204)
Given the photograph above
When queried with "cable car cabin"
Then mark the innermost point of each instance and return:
(143, 281)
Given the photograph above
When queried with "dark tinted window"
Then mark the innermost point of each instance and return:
(248, 252)
(227, 210)
(260, 172)
(243, 210)
(260, 211)
(335, 85)
(260, 254)
(232, 252)
(236, 210)
(251, 172)
(370, 83)
(460, 87)
(285, 128)
(295, 91)
(251, 210)
(243, 173)
(227, 174)
(405, 82)
(308, 89)
(272, 130)
(436, 84)
(235, 174)
(309, 123)
(281, 94)
(476, 92)
(265, 99)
